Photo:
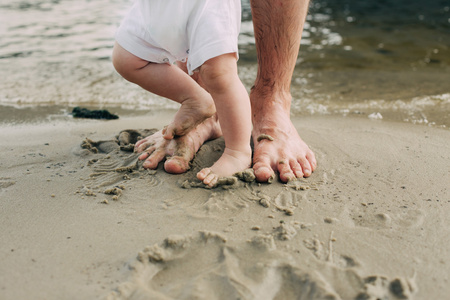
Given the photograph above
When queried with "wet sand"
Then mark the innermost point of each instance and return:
(371, 222)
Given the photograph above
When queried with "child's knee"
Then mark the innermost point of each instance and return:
(125, 63)
(217, 73)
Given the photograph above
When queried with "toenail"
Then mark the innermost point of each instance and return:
(288, 175)
(298, 173)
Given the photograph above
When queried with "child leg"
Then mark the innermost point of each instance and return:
(170, 82)
(219, 75)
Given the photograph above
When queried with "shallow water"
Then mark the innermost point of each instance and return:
(385, 59)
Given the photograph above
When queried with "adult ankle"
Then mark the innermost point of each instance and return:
(265, 97)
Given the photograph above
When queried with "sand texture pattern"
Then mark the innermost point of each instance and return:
(81, 218)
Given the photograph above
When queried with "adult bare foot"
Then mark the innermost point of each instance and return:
(229, 163)
(277, 145)
(191, 113)
(180, 150)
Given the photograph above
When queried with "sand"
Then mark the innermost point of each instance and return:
(371, 223)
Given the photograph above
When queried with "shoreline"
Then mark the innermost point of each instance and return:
(32, 115)
(375, 209)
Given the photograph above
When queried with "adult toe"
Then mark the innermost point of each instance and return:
(286, 173)
(147, 153)
(176, 165)
(263, 172)
(142, 145)
(153, 160)
(312, 160)
(296, 168)
(305, 165)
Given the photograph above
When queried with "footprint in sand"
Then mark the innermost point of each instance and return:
(6, 182)
(206, 266)
(218, 203)
(410, 218)
(380, 287)
(286, 201)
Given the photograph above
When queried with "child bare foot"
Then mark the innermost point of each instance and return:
(191, 113)
(229, 163)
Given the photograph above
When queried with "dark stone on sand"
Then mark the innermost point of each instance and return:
(79, 112)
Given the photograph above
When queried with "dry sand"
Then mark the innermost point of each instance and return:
(371, 223)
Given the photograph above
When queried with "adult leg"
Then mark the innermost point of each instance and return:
(170, 82)
(278, 25)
